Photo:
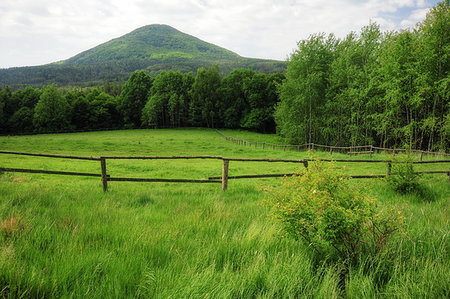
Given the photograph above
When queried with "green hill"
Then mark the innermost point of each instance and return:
(153, 48)
(152, 42)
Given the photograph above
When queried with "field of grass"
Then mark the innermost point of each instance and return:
(62, 236)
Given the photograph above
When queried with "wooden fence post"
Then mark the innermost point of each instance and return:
(104, 175)
(305, 163)
(225, 174)
(389, 168)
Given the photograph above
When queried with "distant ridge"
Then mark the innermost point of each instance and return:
(152, 47)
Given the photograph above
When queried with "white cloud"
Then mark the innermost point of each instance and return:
(415, 17)
(35, 32)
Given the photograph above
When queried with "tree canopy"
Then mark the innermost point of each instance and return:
(389, 89)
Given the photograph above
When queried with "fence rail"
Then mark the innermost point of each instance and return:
(350, 150)
(223, 179)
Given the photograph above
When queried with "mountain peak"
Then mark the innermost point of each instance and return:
(152, 42)
(156, 27)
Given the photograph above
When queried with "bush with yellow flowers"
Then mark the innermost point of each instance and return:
(333, 218)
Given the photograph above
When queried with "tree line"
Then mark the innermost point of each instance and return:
(95, 74)
(389, 89)
(241, 99)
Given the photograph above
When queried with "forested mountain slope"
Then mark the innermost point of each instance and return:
(153, 48)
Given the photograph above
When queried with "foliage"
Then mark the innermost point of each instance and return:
(22, 120)
(404, 180)
(262, 97)
(52, 112)
(337, 221)
(3, 98)
(387, 89)
(234, 102)
(242, 99)
(302, 94)
(168, 101)
(134, 96)
(205, 97)
(5, 107)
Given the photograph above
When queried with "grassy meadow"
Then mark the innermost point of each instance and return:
(62, 236)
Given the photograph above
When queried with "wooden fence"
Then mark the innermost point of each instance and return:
(351, 150)
(105, 177)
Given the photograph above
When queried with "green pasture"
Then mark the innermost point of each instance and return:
(62, 236)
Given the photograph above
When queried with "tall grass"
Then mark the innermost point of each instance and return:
(63, 237)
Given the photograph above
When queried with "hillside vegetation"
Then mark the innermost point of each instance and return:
(153, 41)
(153, 48)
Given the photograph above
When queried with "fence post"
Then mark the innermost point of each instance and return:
(389, 168)
(104, 175)
(225, 174)
(305, 163)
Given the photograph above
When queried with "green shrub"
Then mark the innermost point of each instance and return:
(334, 219)
(404, 180)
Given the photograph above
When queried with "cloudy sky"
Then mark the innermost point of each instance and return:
(34, 32)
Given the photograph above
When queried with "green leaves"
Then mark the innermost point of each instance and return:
(52, 112)
(303, 92)
(336, 220)
(134, 96)
(205, 97)
(389, 89)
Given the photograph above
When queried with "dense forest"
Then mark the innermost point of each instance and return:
(241, 99)
(94, 74)
(390, 89)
